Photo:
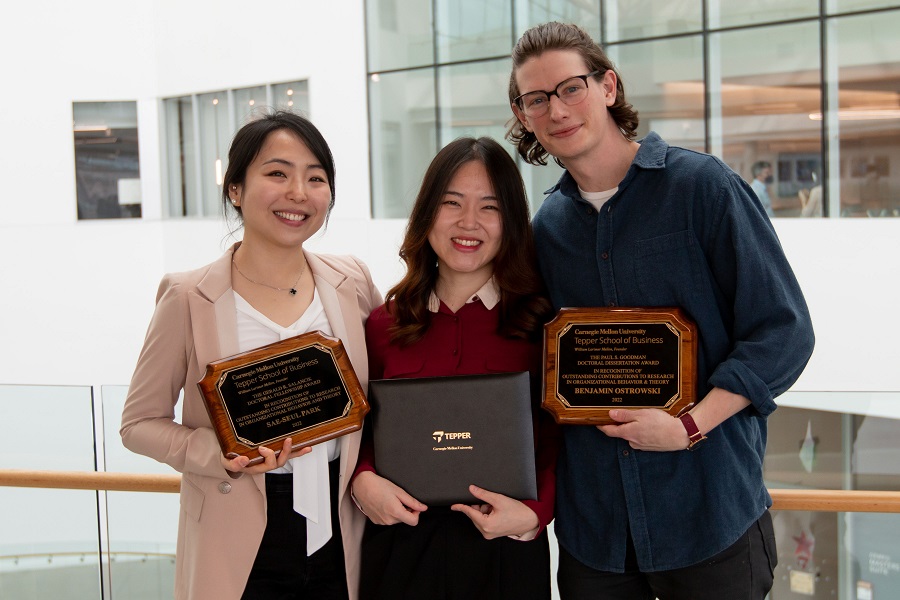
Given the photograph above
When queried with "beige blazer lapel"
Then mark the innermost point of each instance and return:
(338, 294)
(213, 321)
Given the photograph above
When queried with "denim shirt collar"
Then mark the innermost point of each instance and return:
(651, 155)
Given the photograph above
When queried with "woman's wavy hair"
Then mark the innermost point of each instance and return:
(524, 306)
(563, 36)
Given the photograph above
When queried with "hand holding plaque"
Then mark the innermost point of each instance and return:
(600, 359)
(303, 387)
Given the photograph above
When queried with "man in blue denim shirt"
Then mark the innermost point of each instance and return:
(643, 225)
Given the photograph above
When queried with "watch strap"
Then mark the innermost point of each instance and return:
(693, 431)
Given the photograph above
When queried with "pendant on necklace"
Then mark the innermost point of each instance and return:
(293, 292)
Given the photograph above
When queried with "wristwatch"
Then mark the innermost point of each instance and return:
(693, 431)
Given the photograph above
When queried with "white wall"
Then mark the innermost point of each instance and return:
(77, 296)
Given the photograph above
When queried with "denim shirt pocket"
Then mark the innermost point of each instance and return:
(668, 269)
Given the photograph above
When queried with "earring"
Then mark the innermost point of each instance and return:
(234, 202)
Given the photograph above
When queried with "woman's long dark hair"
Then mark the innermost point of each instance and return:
(524, 307)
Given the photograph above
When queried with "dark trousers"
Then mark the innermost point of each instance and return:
(743, 571)
(282, 571)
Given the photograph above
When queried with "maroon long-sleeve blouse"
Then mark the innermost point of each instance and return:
(466, 343)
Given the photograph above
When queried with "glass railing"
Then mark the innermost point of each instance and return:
(141, 527)
(121, 544)
(836, 441)
(49, 544)
(58, 543)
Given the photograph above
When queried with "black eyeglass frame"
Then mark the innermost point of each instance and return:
(555, 91)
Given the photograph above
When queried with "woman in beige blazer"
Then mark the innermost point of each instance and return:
(238, 536)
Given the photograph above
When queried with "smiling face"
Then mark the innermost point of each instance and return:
(285, 196)
(568, 132)
(467, 230)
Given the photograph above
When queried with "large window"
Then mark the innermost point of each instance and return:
(399, 34)
(663, 79)
(533, 12)
(198, 132)
(107, 170)
(730, 13)
(810, 87)
(768, 82)
(866, 163)
(633, 19)
(472, 29)
(403, 133)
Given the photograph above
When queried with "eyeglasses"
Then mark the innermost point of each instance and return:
(571, 91)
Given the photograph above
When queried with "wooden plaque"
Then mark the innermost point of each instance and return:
(598, 359)
(303, 387)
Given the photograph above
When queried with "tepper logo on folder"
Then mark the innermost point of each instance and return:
(461, 435)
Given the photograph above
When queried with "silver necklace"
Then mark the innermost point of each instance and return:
(292, 290)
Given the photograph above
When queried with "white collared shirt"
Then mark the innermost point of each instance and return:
(489, 294)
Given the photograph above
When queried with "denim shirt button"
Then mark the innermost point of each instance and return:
(624, 452)
(605, 255)
(590, 210)
(612, 304)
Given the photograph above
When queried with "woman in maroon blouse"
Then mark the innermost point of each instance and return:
(470, 303)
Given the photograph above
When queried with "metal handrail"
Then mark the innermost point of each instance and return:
(782, 499)
(84, 554)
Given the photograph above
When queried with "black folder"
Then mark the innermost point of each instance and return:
(435, 436)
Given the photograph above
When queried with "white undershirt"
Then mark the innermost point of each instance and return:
(311, 486)
(598, 199)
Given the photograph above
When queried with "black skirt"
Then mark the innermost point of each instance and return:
(445, 557)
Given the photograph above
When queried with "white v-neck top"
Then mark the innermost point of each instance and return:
(311, 489)
(255, 329)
